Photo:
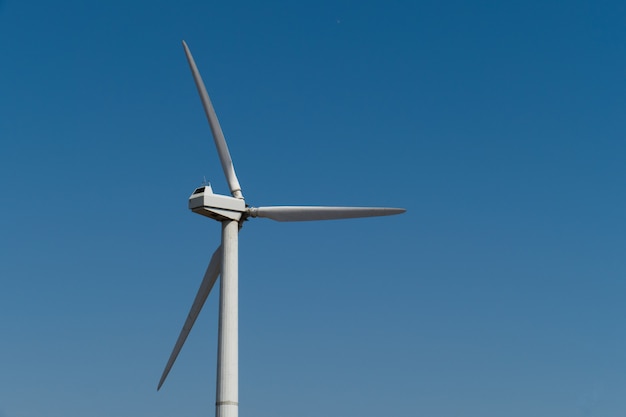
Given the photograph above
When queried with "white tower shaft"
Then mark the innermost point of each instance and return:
(227, 401)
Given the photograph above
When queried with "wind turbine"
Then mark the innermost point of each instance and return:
(232, 212)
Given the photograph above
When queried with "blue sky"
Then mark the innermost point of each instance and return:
(498, 125)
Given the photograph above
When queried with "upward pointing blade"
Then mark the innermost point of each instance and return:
(307, 213)
(210, 276)
(218, 136)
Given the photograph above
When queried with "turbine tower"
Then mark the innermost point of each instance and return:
(232, 212)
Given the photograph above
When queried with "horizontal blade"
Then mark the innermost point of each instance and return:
(218, 136)
(306, 213)
(210, 276)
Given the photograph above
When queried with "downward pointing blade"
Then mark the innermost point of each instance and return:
(210, 276)
(306, 213)
(218, 136)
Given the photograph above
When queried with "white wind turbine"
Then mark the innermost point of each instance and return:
(232, 212)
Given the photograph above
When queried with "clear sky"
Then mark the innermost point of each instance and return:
(500, 126)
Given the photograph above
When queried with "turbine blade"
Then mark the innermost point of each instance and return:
(306, 213)
(210, 276)
(218, 136)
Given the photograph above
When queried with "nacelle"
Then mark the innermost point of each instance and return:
(215, 206)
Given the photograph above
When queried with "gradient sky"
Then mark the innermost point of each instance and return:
(500, 126)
